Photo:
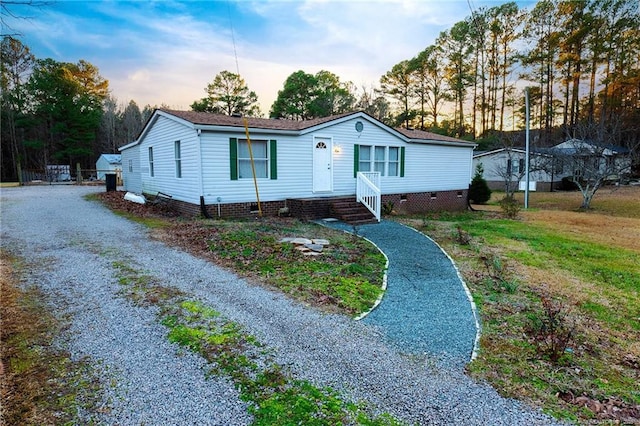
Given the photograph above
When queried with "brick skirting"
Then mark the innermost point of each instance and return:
(318, 208)
(420, 202)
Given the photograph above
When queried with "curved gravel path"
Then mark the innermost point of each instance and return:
(69, 246)
(426, 307)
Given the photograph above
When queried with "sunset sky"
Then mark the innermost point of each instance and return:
(166, 52)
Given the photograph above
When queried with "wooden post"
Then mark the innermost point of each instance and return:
(78, 174)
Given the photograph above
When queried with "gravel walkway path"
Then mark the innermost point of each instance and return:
(69, 246)
(426, 307)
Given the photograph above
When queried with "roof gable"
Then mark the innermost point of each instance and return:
(112, 158)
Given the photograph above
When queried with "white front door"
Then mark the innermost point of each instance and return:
(322, 165)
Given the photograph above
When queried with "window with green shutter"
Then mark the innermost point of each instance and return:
(387, 160)
(265, 162)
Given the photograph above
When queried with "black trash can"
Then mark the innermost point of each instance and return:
(110, 178)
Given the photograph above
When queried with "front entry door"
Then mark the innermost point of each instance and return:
(322, 165)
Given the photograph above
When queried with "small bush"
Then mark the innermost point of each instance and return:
(510, 207)
(567, 184)
(387, 208)
(479, 191)
(551, 329)
(462, 237)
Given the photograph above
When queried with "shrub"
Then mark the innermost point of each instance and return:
(479, 191)
(551, 328)
(387, 208)
(567, 184)
(510, 207)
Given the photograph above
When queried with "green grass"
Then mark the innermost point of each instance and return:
(347, 276)
(275, 396)
(601, 311)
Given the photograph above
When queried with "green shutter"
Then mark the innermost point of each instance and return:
(356, 159)
(233, 158)
(273, 158)
(402, 161)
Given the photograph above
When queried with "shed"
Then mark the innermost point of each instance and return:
(108, 163)
(203, 162)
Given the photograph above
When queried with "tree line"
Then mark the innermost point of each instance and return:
(579, 59)
(58, 113)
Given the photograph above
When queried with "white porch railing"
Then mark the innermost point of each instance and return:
(368, 191)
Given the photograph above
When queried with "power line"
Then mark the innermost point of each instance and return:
(233, 39)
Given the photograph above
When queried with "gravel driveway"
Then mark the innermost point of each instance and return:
(70, 245)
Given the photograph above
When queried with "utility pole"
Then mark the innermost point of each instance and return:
(526, 160)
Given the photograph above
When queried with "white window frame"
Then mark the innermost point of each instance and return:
(178, 158)
(373, 163)
(247, 160)
(151, 171)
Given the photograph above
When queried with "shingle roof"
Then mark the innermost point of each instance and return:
(207, 118)
(424, 135)
(112, 158)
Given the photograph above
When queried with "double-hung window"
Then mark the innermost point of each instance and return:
(379, 159)
(264, 159)
(178, 158)
(260, 159)
(394, 161)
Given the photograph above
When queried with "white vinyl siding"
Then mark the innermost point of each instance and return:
(206, 162)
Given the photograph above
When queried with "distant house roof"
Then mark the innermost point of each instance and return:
(588, 147)
(210, 121)
(533, 151)
(112, 158)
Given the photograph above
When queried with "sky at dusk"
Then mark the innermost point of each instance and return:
(166, 52)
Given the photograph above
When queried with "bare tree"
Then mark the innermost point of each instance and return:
(592, 160)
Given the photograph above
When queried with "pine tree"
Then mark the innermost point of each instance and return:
(479, 192)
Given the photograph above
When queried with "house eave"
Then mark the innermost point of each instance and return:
(461, 144)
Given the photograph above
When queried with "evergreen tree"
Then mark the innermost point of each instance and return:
(479, 192)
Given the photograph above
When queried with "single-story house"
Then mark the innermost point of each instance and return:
(108, 163)
(205, 163)
(585, 159)
(509, 165)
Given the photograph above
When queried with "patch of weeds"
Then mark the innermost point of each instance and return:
(551, 328)
(462, 237)
(497, 274)
(41, 384)
(275, 397)
(510, 207)
(142, 289)
(253, 249)
(387, 208)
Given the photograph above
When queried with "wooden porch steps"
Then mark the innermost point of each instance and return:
(352, 212)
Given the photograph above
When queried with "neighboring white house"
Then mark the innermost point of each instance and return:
(203, 162)
(108, 163)
(507, 165)
(582, 159)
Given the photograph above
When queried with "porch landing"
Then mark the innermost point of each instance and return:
(344, 208)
